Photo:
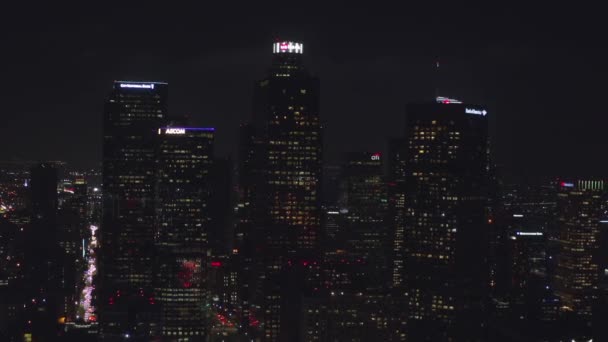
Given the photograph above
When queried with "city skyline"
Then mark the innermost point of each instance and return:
(508, 61)
(263, 173)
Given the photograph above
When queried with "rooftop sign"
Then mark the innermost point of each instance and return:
(474, 111)
(182, 130)
(175, 131)
(137, 85)
(288, 47)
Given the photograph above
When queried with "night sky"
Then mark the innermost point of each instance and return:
(540, 70)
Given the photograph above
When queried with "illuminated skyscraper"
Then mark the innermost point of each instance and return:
(445, 231)
(287, 208)
(581, 206)
(133, 113)
(396, 207)
(185, 157)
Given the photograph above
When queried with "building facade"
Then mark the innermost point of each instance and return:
(287, 207)
(133, 113)
(444, 238)
(185, 158)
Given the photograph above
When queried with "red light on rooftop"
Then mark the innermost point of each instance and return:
(216, 264)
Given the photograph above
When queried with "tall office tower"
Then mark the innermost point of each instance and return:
(133, 113)
(530, 295)
(72, 216)
(183, 221)
(581, 206)
(247, 175)
(367, 240)
(43, 264)
(287, 218)
(445, 200)
(397, 149)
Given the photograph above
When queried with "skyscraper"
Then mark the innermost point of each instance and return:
(444, 238)
(364, 195)
(287, 208)
(247, 176)
(133, 113)
(44, 257)
(185, 157)
(397, 151)
(581, 206)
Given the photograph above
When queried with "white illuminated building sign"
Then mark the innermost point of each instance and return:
(288, 47)
(529, 233)
(474, 111)
(376, 156)
(175, 131)
(137, 85)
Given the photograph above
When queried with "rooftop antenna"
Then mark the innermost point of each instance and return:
(436, 78)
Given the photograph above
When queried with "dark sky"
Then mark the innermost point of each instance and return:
(540, 69)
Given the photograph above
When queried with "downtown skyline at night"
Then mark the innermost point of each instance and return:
(537, 69)
(333, 173)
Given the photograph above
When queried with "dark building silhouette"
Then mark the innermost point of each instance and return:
(221, 208)
(44, 270)
(445, 243)
(133, 113)
(247, 176)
